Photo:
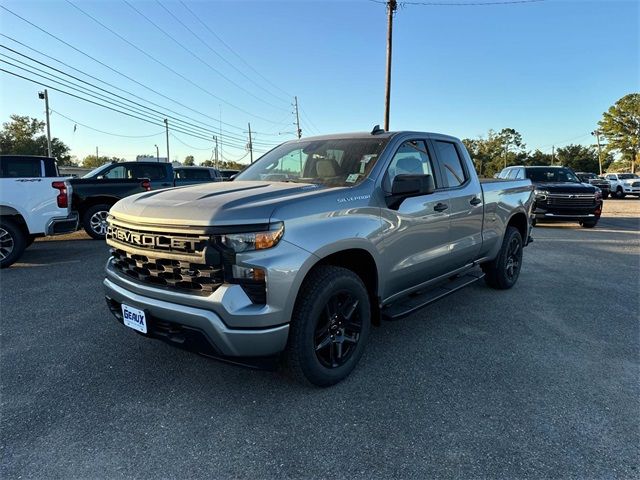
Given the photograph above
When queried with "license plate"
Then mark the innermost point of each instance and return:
(134, 318)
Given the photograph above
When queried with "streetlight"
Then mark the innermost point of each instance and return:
(157, 154)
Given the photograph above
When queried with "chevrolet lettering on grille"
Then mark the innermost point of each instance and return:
(151, 241)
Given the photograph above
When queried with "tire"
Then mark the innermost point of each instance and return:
(329, 327)
(94, 221)
(13, 241)
(619, 193)
(605, 195)
(503, 272)
(589, 223)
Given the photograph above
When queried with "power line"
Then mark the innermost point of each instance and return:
(108, 67)
(190, 52)
(160, 62)
(102, 131)
(38, 82)
(103, 97)
(232, 50)
(190, 146)
(218, 54)
(85, 90)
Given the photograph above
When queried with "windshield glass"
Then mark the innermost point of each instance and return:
(587, 176)
(96, 171)
(627, 176)
(551, 175)
(336, 162)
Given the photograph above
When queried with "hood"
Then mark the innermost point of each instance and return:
(215, 203)
(565, 187)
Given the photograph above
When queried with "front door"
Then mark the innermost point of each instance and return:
(417, 244)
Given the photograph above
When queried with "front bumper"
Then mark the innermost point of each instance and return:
(198, 329)
(62, 225)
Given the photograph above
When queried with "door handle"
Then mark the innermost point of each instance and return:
(475, 201)
(441, 207)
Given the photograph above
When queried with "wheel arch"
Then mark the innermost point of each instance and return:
(97, 200)
(520, 221)
(359, 260)
(14, 215)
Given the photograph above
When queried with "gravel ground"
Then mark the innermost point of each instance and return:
(540, 381)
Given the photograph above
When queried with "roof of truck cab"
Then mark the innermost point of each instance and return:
(363, 135)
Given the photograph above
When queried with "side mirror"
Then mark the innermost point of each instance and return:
(412, 185)
(99, 177)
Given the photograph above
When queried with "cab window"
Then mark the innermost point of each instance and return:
(451, 163)
(411, 157)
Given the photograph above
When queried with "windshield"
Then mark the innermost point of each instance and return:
(331, 162)
(551, 175)
(96, 171)
(627, 176)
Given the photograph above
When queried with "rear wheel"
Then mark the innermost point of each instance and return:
(329, 327)
(503, 272)
(94, 221)
(13, 241)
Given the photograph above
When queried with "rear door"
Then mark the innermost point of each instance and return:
(465, 200)
(157, 173)
(416, 249)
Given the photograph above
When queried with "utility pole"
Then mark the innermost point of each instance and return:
(45, 96)
(157, 153)
(97, 157)
(250, 145)
(215, 138)
(597, 135)
(297, 117)
(392, 5)
(553, 154)
(166, 124)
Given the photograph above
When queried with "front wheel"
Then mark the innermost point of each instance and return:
(619, 193)
(503, 272)
(329, 327)
(12, 243)
(94, 221)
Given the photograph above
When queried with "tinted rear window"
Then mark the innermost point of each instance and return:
(193, 174)
(20, 167)
(150, 171)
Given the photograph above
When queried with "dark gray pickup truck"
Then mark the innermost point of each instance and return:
(311, 245)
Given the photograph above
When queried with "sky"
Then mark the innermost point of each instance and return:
(549, 69)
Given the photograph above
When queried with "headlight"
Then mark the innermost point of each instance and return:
(243, 242)
(598, 192)
(541, 194)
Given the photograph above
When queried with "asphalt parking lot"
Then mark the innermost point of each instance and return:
(536, 382)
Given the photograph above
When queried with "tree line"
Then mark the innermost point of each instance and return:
(619, 127)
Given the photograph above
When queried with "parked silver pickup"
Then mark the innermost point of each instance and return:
(311, 245)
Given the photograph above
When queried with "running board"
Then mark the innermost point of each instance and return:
(414, 302)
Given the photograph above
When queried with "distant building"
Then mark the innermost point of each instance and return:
(151, 158)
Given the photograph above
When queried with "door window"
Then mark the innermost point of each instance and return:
(411, 158)
(115, 172)
(152, 172)
(520, 174)
(453, 170)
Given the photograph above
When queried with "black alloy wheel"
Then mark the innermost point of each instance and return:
(514, 259)
(338, 330)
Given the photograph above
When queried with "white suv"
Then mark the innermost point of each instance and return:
(623, 184)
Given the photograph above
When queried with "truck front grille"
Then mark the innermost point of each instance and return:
(571, 200)
(164, 272)
(635, 184)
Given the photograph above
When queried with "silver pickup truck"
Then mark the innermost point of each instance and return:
(311, 245)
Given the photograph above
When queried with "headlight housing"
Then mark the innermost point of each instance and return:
(244, 242)
(541, 194)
